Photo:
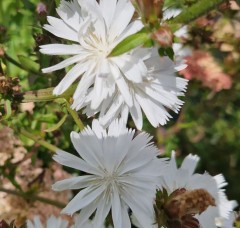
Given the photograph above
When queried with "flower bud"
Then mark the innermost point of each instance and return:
(41, 39)
(150, 10)
(41, 9)
(178, 209)
(188, 203)
(9, 85)
(163, 36)
(3, 224)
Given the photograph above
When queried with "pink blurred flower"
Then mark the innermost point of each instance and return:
(203, 67)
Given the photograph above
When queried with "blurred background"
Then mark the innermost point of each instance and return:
(208, 124)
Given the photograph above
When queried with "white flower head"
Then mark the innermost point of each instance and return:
(184, 178)
(121, 173)
(136, 81)
(52, 222)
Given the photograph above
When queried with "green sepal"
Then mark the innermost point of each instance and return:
(130, 43)
(166, 52)
(170, 53)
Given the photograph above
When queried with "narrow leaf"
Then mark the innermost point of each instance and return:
(28, 64)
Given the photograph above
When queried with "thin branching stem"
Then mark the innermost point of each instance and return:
(39, 140)
(75, 117)
(33, 197)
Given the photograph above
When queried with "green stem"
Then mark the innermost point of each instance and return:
(1, 69)
(38, 95)
(1, 11)
(13, 61)
(196, 10)
(73, 113)
(75, 116)
(33, 197)
(42, 95)
(39, 140)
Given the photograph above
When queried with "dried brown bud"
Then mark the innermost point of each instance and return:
(187, 221)
(189, 203)
(9, 85)
(178, 209)
(41, 39)
(163, 36)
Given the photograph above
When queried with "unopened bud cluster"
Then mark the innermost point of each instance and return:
(150, 10)
(189, 202)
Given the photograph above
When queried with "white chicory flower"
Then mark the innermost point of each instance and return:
(136, 81)
(184, 178)
(121, 173)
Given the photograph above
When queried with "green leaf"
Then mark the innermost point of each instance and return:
(58, 125)
(29, 64)
(130, 43)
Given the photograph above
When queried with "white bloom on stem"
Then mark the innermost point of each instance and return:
(184, 178)
(121, 173)
(159, 88)
(52, 222)
(114, 86)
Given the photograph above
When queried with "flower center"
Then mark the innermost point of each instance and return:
(94, 43)
(110, 178)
